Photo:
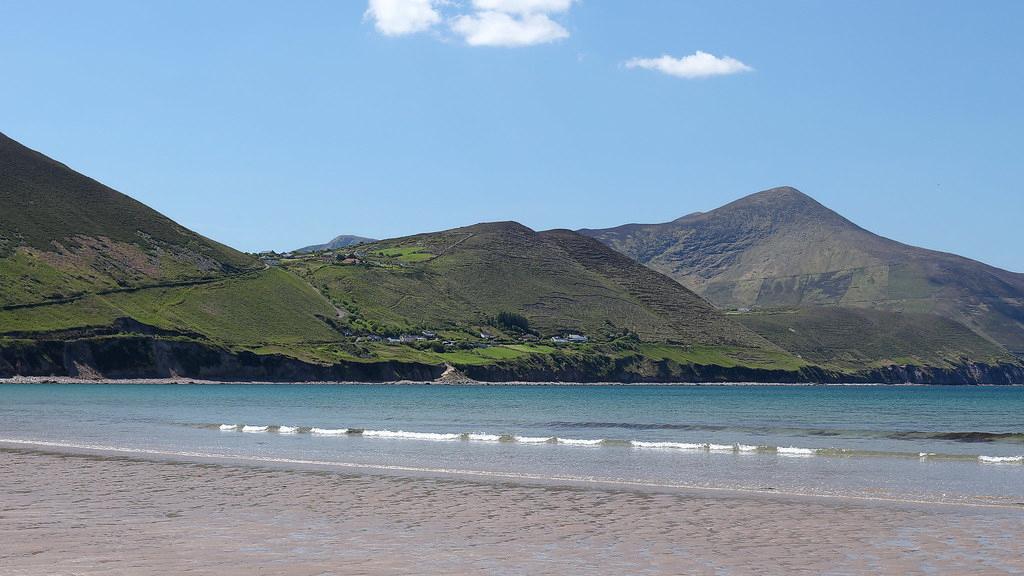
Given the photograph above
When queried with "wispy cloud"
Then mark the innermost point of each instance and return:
(400, 17)
(492, 28)
(696, 65)
(507, 23)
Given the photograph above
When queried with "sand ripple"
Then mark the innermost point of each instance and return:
(96, 515)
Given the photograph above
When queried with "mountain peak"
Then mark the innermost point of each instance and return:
(784, 205)
(783, 196)
(782, 248)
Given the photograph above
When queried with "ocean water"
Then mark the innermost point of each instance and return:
(933, 444)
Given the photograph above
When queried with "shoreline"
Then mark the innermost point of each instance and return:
(473, 476)
(474, 383)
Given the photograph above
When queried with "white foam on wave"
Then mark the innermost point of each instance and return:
(534, 439)
(485, 437)
(794, 451)
(667, 445)
(579, 442)
(329, 431)
(215, 456)
(1001, 459)
(402, 434)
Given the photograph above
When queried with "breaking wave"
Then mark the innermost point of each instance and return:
(1001, 459)
(329, 431)
(666, 446)
(954, 436)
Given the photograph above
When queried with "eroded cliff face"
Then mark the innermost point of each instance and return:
(145, 357)
(641, 370)
(152, 357)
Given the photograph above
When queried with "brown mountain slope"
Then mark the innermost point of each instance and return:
(781, 248)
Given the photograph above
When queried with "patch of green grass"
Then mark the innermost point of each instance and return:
(270, 307)
(88, 312)
(724, 356)
(267, 308)
(26, 279)
(409, 254)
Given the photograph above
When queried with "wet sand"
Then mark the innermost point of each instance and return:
(89, 514)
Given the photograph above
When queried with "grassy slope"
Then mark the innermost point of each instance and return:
(85, 249)
(780, 248)
(561, 282)
(855, 338)
(267, 310)
(64, 234)
(454, 281)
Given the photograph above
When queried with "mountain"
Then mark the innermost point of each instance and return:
(342, 241)
(94, 284)
(63, 234)
(782, 249)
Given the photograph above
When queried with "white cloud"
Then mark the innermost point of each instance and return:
(492, 28)
(523, 6)
(400, 17)
(696, 65)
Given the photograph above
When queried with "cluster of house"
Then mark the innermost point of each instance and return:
(431, 335)
(271, 258)
(569, 339)
(406, 338)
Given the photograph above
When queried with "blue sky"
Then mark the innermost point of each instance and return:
(279, 124)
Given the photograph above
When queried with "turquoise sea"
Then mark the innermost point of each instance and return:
(935, 444)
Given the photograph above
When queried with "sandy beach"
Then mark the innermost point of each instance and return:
(114, 515)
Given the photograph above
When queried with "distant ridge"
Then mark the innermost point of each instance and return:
(343, 241)
(781, 248)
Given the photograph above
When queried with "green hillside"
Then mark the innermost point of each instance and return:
(780, 248)
(560, 282)
(63, 235)
(77, 258)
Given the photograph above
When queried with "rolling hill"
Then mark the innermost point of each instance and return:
(782, 249)
(560, 281)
